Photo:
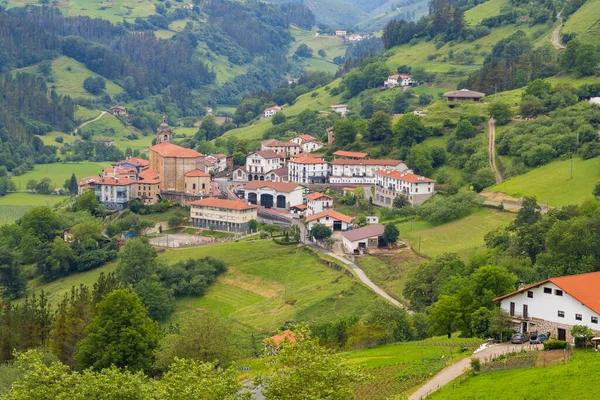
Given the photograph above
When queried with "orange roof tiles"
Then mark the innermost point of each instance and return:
(308, 160)
(317, 196)
(167, 149)
(277, 143)
(109, 180)
(149, 175)
(582, 287)
(277, 340)
(367, 162)
(343, 153)
(88, 180)
(285, 187)
(329, 213)
(403, 176)
(220, 203)
(268, 154)
(308, 138)
(196, 173)
(138, 162)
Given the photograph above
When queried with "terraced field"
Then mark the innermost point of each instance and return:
(14, 205)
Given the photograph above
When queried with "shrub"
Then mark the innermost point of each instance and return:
(476, 364)
(555, 344)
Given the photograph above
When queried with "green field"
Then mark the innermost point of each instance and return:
(490, 8)
(83, 114)
(573, 380)
(59, 173)
(111, 127)
(49, 139)
(552, 183)
(14, 205)
(332, 45)
(463, 236)
(584, 22)
(68, 76)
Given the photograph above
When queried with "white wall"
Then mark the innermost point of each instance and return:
(546, 306)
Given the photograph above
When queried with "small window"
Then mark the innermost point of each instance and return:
(578, 317)
(547, 290)
(530, 294)
(558, 292)
(561, 314)
(594, 320)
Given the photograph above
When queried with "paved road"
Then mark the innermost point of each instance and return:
(492, 149)
(556, 34)
(361, 275)
(102, 114)
(453, 371)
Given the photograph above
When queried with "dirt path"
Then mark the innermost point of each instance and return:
(361, 275)
(453, 371)
(492, 149)
(556, 34)
(102, 114)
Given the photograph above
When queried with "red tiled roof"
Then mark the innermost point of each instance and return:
(268, 154)
(343, 153)
(367, 162)
(403, 176)
(308, 138)
(197, 173)
(138, 162)
(277, 340)
(229, 204)
(273, 109)
(307, 160)
(582, 287)
(364, 233)
(280, 171)
(465, 93)
(109, 180)
(220, 155)
(338, 106)
(329, 213)
(299, 206)
(285, 187)
(149, 175)
(316, 196)
(167, 149)
(88, 180)
(277, 143)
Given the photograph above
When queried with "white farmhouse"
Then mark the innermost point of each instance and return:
(260, 163)
(307, 169)
(309, 143)
(398, 80)
(359, 240)
(290, 149)
(340, 32)
(317, 202)
(269, 112)
(392, 183)
(361, 172)
(555, 305)
(341, 109)
(332, 219)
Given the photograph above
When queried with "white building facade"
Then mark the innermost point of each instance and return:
(361, 172)
(392, 183)
(308, 143)
(307, 169)
(260, 163)
(269, 112)
(318, 202)
(278, 195)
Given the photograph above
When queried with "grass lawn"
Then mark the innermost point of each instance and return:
(14, 205)
(59, 172)
(490, 8)
(111, 127)
(574, 380)
(552, 185)
(49, 139)
(584, 22)
(83, 114)
(267, 284)
(398, 369)
(68, 75)
(463, 236)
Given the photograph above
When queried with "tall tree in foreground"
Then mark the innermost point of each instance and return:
(137, 261)
(120, 335)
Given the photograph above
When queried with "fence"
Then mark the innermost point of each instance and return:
(526, 359)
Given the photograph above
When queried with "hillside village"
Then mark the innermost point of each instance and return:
(331, 199)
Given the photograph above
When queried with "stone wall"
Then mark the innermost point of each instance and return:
(543, 326)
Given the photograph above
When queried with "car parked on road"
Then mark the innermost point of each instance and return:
(537, 339)
(519, 338)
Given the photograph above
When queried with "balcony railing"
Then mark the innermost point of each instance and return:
(519, 315)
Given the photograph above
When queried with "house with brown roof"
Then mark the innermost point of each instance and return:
(307, 142)
(393, 183)
(358, 241)
(118, 110)
(341, 109)
(105, 141)
(317, 202)
(133, 162)
(148, 187)
(361, 172)
(308, 169)
(290, 149)
(87, 183)
(197, 183)
(277, 175)
(260, 163)
(554, 305)
(222, 215)
(464, 95)
(336, 221)
(278, 195)
(115, 193)
(269, 112)
(349, 155)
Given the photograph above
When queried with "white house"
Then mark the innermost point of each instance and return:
(392, 183)
(216, 162)
(334, 220)
(260, 163)
(307, 169)
(290, 149)
(317, 202)
(358, 240)
(341, 32)
(277, 175)
(555, 305)
(115, 193)
(361, 172)
(341, 109)
(269, 112)
(354, 37)
(309, 143)
(399, 80)
(281, 195)
(595, 101)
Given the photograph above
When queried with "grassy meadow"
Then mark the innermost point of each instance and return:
(111, 127)
(552, 183)
(49, 139)
(487, 9)
(574, 380)
(584, 22)
(14, 205)
(59, 173)
(463, 236)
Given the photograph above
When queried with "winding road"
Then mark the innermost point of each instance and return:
(556, 34)
(102, 114)
(492, 149)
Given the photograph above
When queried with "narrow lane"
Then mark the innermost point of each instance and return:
(492, 149)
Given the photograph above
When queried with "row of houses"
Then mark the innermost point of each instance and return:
(341, 109)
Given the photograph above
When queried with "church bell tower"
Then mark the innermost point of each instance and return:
(164, 133)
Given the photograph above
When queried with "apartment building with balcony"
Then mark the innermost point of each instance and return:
(392, 183)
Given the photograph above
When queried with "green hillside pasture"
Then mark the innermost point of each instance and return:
(59, 173)
(552, 183)
(574, 377)
(439, 111)
(68, 76)
(49, 138)
(83, 114)
(398, 369)
(267, 284)
(179, 25)
(463, 236)
(224, 69)
(14, 205)
(585, 22)
(490, 8)
(164, 34)
(111, 127)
